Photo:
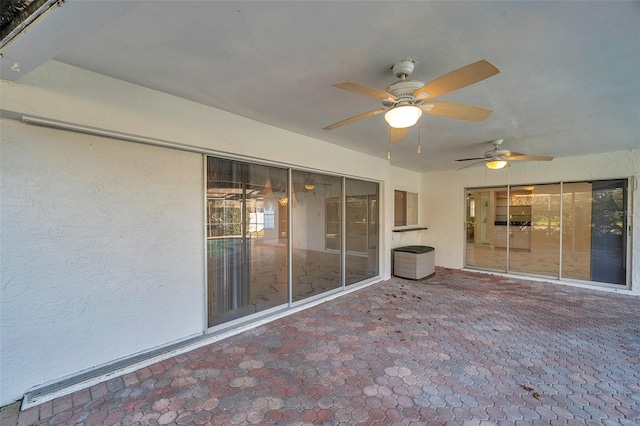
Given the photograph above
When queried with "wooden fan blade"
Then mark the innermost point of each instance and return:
(514, 156)
(354, 118)
(457, 79)
(396, 135)
(458, 111)
(367, 91)
(471, 165)
(469, 159)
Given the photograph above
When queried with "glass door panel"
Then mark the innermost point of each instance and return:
(225, 251)
(361, 260)
(486, 228)
(595, 240)
(576, 230)
(534, 229)
(246, 252)
(608, 235)
(316, 233)
(267, 265)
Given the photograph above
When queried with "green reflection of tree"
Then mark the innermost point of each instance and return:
(225, 218)
(608, 212)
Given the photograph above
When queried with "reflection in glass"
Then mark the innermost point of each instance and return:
(534, 229)
(486, 228)
(405, 208)
(316, 236)
(246, 245)
(594, 237)
(576, 230)
(361, 261)
(529, 222)
(412, 209)
(400, 208)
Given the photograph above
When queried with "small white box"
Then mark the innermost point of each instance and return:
(414, 262)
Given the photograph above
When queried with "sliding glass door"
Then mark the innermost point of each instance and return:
(534, 229)
(246, 248)
(316, 235)
(595, 238)
(273, 241)
(361, 259)
(486, 228)
(571, 230)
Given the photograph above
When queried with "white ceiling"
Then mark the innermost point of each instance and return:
(569, 81)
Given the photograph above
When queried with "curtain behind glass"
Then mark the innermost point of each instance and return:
(246, 245)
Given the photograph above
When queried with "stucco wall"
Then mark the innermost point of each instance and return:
(102, 250)
(444, 197)
(102, 240)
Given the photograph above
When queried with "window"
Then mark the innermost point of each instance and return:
(406, 208)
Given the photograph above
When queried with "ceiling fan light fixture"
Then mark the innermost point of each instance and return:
(309, 186)
(496, 164)
(403, 116)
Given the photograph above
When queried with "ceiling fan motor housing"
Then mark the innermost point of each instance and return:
(496, 153)
(403, 90)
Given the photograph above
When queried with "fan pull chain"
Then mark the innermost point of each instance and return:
(419, 125)
(389, 143)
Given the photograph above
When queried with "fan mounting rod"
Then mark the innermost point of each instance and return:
(402, 89)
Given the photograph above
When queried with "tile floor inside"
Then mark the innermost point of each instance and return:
(575, 265)
(460, 348)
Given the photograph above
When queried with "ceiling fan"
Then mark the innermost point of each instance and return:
(499, 158)
(405, 100)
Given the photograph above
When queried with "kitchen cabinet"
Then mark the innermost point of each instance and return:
(500, 236)
(519, 237)
(512, 222)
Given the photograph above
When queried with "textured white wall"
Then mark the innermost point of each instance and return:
(94, 100)
(445, 199)
(101, 240)
(102, 250)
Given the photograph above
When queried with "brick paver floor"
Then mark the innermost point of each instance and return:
(460, 348)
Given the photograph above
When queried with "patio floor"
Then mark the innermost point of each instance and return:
(460, 348)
